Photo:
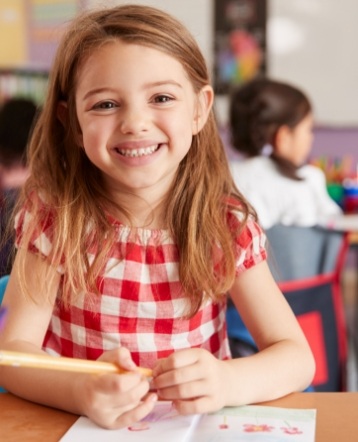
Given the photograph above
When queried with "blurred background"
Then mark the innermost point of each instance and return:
(310, 43)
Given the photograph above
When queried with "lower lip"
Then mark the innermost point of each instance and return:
(139, 161)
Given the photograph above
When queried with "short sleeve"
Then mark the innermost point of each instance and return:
(41, 238)
(251, 244)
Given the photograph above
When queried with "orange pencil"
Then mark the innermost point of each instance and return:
(17, 359)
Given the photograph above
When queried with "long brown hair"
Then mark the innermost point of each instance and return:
(70, 184)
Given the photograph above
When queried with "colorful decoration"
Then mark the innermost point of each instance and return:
(240, 42)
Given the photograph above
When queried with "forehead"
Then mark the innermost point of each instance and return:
(116, 57)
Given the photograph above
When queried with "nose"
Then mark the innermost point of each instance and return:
(133, 120)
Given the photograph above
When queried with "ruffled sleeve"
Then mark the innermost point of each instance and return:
(42, 236)
(251, 243)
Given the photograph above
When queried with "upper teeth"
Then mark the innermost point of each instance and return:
(138, 152)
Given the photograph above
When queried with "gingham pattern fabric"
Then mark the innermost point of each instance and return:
(141, 304)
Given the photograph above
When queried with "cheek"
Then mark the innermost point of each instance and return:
(305, 150)
(94, 132)
(177, 128)
(308, 142)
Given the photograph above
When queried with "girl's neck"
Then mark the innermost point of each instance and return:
(143, 213)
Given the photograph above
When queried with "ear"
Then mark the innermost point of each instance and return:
(205, 101)
(62, 112)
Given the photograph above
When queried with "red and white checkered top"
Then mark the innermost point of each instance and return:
(141, 303)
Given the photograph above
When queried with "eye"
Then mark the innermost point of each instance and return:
(105, 105)
(163, 99)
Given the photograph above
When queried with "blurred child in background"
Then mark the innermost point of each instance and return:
(271, 125)
(16, 119)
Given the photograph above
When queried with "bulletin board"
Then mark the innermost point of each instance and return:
(29, 34)
(313, 44)
(30, 31)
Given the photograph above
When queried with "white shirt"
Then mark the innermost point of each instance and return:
(278, 199)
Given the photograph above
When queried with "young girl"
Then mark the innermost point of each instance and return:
(131, 232)
(271, 124)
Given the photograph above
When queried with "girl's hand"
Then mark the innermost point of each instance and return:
(115, 400)
(193, 379)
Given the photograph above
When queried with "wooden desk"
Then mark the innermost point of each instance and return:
(24, 421)
(346, 222)
(337, 417)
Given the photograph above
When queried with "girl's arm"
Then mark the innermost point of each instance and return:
(198, 382)
(110, 400)
(284, 362)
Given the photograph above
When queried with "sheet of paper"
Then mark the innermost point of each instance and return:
(248, 424)
(257, 423)
(164, 423)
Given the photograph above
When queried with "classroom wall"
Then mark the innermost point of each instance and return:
(329, 141)
(336, 141)
(313, 43)
(319, 55)
(197, 15)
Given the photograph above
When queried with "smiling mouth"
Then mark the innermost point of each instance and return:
(141, 152)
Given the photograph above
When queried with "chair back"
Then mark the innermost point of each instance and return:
(302, 252)
(307, 263)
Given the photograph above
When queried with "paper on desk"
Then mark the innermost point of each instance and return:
(247, 424)
(257, 423)
(162, 421)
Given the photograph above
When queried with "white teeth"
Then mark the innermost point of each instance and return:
(138, 152)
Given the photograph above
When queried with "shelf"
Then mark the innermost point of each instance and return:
(23, 82)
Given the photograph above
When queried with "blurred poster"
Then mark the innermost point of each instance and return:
(12, 32)
(29, 35)
(30, 30)
(47, 21)
(240, 42)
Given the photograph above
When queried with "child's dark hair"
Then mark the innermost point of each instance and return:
(17, 116)
(258, 109)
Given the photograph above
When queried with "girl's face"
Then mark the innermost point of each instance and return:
(138, 113)
(301, 140)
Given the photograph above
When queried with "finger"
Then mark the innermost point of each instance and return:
(119, 418)
(188, 390)
(117, 383)
(179, 376)
(176, 360)
(116, 396)
(116, 354)
(120, 356)
(125, 359)
(198, 405)
(136, 414)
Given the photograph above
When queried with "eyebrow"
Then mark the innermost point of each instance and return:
(146, 86)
